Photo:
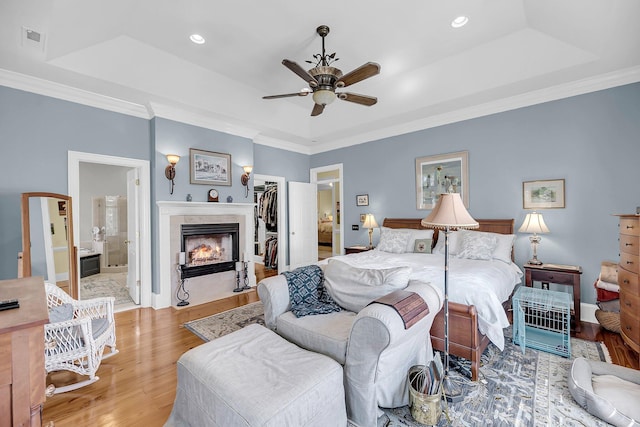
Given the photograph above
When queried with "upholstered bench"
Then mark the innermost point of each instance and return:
(253, 377)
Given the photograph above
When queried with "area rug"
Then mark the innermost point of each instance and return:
(515, 389)
(106, 285)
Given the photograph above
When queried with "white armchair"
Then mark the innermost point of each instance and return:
(372, 345)
(77, 335)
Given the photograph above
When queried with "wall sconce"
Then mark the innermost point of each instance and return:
(245, 179)
(170, 170)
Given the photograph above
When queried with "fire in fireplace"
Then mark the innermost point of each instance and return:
(209, 248)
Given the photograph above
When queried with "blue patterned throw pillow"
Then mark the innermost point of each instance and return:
(307, 293)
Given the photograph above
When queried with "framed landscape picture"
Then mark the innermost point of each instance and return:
(209, 168)
(543, 194)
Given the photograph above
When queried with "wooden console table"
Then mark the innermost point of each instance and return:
(22, 373)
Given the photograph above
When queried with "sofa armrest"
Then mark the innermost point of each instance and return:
(381, 351)
(274, 294)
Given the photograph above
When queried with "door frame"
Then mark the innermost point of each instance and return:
(144, 214)
(283, 245)
(313, 178)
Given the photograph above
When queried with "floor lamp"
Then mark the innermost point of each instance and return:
(449, 212)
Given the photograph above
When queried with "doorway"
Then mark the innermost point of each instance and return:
(270, 242)
(111, 224)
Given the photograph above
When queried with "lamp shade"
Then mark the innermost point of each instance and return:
(370, 222)
(173, 158)
(533, 223)
(449, 212)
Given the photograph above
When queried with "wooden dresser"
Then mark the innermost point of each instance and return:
(22, 373)
(628, 280)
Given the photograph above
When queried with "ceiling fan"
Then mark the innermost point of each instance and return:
(323, 79)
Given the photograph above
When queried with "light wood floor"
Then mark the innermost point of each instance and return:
(137, 386)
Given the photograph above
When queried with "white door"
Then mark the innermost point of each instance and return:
(303, 226)
(133, 235)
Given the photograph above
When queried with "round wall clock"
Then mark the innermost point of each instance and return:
(213, 195)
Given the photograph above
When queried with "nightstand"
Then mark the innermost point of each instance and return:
(568, 275)
(356, 249)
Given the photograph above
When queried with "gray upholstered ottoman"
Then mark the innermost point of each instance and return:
(253, 377)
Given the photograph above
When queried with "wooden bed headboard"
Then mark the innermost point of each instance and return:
(502, 226)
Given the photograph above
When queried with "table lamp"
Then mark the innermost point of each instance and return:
(534, 223)
(370, 223)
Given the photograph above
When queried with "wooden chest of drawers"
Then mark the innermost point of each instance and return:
(628, 280)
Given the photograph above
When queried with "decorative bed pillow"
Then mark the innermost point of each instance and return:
(453, 243)
(415, 235)
(393, 241)
(422, 246)
(476, 245)
(353, 288)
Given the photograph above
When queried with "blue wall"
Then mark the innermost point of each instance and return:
(36, 132)
(591, 141)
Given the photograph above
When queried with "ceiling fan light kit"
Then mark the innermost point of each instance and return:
(324, 79)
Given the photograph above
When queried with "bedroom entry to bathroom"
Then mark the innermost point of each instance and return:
(107, 233)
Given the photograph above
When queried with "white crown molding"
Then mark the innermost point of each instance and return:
(282, 144)
(68, 93)
(199, 119)
(553, 93)
(56, 90)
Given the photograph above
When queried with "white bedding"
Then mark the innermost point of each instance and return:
(484, 284)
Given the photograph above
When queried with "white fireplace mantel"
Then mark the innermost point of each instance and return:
(167, 260)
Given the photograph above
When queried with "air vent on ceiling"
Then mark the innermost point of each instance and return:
(32, 38)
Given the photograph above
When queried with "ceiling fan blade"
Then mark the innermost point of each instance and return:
(287, 95)
(304, 75)
(358, 99)
(365, 71)
(317, 109)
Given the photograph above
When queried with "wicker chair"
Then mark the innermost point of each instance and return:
(78, 344)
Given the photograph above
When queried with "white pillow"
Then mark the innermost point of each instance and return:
(453, 243)
(392, 240)
(476, 245)
(504, 247)
(353, 288)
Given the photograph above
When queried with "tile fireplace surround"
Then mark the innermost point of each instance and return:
(212, 286)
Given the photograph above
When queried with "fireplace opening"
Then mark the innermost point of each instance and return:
(209, 248)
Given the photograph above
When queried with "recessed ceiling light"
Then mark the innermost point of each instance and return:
(460, 21)
(196, 38)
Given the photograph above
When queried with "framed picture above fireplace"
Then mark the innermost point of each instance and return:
(208, 167)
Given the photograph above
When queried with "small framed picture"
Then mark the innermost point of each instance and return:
(543, 194)
(362, 200)
(363, 217)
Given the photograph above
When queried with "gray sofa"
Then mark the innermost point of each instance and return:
(372, 344)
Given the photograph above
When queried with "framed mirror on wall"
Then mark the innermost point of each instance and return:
(47, 240)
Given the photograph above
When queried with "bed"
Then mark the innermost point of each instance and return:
(475, 318)
(325, 232)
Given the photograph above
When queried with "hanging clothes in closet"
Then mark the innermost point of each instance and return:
(271, 253)
(268, 209)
